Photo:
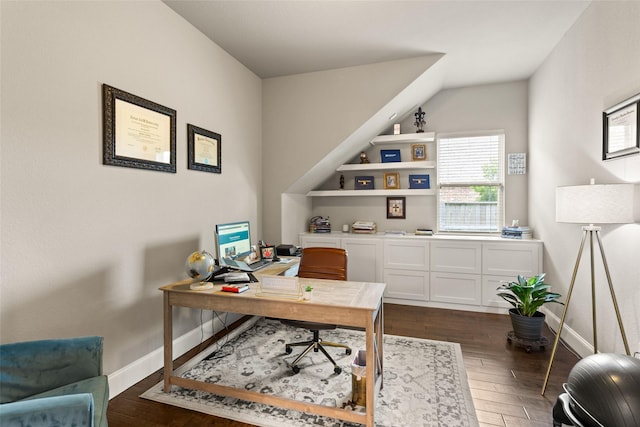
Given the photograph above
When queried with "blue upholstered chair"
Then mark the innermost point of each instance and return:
(53, 383)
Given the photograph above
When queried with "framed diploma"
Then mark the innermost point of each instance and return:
(137, 133)
(205, 149)
(620, 129)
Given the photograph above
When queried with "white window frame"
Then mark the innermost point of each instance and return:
(500, 185)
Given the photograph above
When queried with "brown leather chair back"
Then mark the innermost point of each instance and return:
(323, 263)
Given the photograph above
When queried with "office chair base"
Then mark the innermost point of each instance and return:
(315, 344)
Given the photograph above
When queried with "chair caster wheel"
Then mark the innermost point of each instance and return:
(295, 369)
(348, 351)
(288, 349)
(337, 370)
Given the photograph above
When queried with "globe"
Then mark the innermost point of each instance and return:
(200, 266)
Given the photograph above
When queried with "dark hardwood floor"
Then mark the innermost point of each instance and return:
(505, 380)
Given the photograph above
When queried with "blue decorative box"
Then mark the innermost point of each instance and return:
(364, 183)
(419, 181)
(388, 156)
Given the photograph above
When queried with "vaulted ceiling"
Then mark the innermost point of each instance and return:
(483, 41)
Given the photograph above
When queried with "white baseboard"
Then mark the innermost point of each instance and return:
(129, 375)
(576, 342)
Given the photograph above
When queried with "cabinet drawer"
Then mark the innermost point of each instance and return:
(455, 288)
(456, 257)
(406, 254)
(489, 286)
(406, 284)
(511, 259)
(319, 241)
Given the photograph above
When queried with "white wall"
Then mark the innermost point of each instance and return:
(85, 246)
(595, 66)
(475, 108)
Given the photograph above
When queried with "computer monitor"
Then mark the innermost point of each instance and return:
(233, 240)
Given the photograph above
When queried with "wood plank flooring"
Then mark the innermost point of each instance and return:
(505, 380)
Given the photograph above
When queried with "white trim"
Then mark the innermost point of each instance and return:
(136, 371)
(576, 342)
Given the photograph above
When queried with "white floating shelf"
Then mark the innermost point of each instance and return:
(351, 193)
(422, 164)
(404, 138)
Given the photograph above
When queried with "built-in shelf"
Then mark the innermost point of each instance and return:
(351, 193)
(421, 164)
(404, 138)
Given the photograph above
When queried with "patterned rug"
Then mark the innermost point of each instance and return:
(425, 382)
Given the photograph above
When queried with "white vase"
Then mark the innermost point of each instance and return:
(307, 295)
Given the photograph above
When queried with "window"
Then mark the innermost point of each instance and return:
(471, 182)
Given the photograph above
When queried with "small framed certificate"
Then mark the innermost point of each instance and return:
(364, 183)
(620, 129)
(204, 149)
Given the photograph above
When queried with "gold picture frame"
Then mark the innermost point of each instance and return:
(391, 180)
(418, 152)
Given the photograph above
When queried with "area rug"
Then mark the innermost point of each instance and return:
(425, 382)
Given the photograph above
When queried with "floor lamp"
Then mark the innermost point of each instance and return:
(593, 204)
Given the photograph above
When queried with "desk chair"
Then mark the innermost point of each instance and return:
(319, 263)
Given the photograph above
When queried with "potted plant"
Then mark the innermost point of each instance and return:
(308, 291)
(527, 295)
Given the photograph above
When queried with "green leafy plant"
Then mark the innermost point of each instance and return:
(527, 295)
(308, 289)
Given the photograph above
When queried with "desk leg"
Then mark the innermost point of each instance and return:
(374, 331)
(379, 344)
(168, 343)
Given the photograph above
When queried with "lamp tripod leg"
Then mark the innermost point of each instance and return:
(613, 296)
(564, 313)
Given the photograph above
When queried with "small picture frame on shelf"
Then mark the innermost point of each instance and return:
(396, 208)
(364, 183)
(389, 156)
(418, 152)
(391, 180)
(419, 181)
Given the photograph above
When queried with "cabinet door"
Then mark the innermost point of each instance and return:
(512, 258)
(456, 257)
(406, 284)
(455, 288)
(311, 241)
(406, 254)
(489, 286)
(364, 259)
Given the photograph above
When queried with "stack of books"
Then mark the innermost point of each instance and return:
(517, 233)
(364, 227)
(424, 232)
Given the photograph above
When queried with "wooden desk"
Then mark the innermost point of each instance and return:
(356, 304)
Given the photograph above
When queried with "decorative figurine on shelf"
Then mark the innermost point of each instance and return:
(363, 158)
(420, 122)
(342, 182)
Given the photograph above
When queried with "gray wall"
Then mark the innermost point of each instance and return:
(477, 108)
(595, 66)
(85, 246)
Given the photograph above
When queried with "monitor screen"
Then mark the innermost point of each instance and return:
(233, 240)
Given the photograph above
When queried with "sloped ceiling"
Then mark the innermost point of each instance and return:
(484, 41)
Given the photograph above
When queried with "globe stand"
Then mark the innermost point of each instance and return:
(201, 286)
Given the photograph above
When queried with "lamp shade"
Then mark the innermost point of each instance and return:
(596, 204)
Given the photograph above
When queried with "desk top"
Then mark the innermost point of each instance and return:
(332, 297)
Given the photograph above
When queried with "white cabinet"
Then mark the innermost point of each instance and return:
(364, 259)
(364, 255)
(447, 272)
(456, 288)
(319, 240)
(406, 265)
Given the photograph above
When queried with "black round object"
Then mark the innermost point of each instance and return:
(605, 390)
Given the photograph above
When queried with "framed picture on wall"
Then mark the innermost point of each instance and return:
(204, 149)
(396, 208)
(137, 133)
(418, 152)
(620, 129)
